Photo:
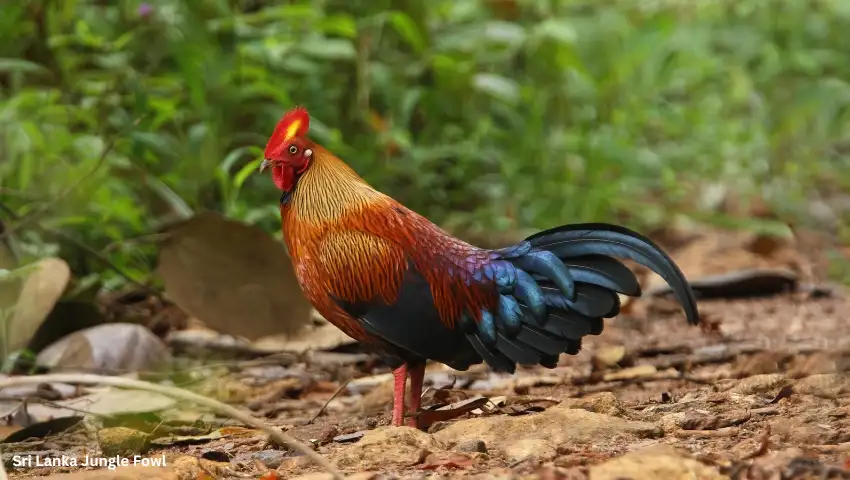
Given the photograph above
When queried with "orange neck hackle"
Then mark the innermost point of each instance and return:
(318, 186)
(330, 189)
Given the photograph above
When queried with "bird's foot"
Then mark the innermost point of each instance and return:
(417, 374)
(413, 421)
(399, 384)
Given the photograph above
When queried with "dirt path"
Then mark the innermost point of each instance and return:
(760, 392)
(762, 395)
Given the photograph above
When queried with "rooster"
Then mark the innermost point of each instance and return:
(391, 279)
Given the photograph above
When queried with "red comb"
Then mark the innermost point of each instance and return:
(295, 123)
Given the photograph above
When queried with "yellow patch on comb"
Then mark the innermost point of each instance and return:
(292, 130)
(295, 123)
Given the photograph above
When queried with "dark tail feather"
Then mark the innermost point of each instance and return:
(591, 300)
(602, 271)
(559, 285)
(581, 240)
(497, 360)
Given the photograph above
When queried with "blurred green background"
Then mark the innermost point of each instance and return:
(491, 117)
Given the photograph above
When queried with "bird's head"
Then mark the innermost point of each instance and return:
(289, 152)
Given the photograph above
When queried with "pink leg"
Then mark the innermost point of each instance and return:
(417, 375)
(400, 377)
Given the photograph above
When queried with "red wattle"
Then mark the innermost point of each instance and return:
(284, 178)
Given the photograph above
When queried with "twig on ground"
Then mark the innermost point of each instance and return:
(723, 432)
(839, 448)
(276, 435)
(586, 385)
(764, 445)
(337, 392)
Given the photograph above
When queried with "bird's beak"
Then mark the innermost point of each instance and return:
(266, 164)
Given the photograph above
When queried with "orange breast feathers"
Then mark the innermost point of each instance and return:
(364, 254)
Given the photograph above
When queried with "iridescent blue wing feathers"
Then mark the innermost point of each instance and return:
(549, 292)
(558, 285)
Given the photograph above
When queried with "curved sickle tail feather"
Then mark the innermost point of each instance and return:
(563, 283)
(616, 241)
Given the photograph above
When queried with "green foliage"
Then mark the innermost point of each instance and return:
(485, 115)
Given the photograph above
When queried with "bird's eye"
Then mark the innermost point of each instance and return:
(293, 149)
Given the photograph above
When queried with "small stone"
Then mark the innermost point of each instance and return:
(607, 357)
(539, 435)
(328, 476)
(471, 446)
(760, 363)
(699, 421)
(825, 385)
(527, 448)
(767, 383)
(270, 458)
(121, 441)
(652, 463)
(387, 446)
(817, 363)
(673, 421)
(790, 460)
(604, 402)
(798, 432)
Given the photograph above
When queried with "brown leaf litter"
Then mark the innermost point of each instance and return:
(762, 394)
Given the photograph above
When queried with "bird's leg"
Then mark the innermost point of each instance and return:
(400, 382)
(417, 375)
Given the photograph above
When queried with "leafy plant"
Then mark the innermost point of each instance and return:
(485, 115)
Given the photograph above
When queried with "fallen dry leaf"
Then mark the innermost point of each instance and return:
(42, 429)
(125, 473)
(196, 439)
(608, 357)
(6, 430)
(455, 460)
(727, 264)
(317, 335)
(630, 373)
(349, 437)
(41, 290)
(113, 347)
(232, 276)
(428, 417)
(105, 402)
(523, 405)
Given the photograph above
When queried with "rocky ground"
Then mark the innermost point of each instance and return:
(760, 391)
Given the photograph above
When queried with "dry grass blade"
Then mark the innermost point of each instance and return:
(179, 394)
(336, 393)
